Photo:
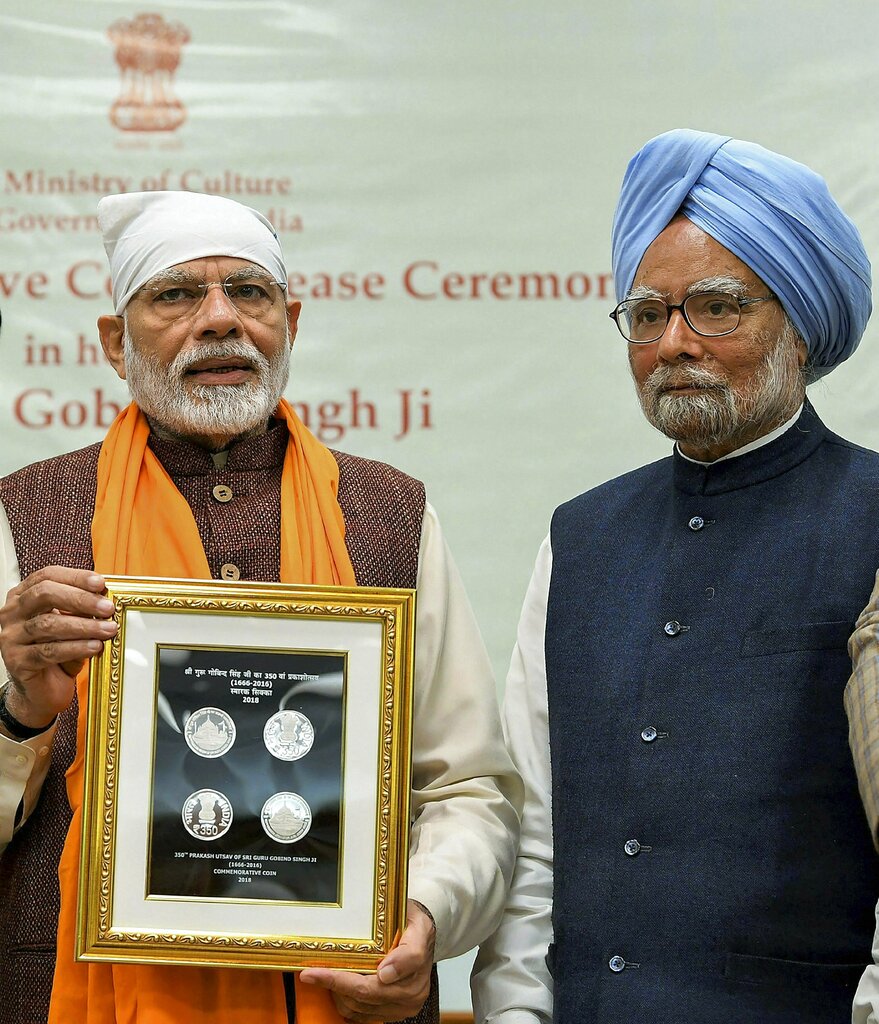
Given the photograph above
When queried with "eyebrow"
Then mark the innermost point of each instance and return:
(249, 274)
(643, 292)
(174, 275)
(719, 283)
(170, 276)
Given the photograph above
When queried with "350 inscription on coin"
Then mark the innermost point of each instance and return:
(207, 814)
(288, 735)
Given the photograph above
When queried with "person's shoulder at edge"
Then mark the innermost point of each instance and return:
(833, 444)
(350, 459)
(619, 488)
(634, 481)
(856, 451)
(52, 462)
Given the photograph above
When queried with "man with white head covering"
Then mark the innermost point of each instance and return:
(693, 846)
(208, 473)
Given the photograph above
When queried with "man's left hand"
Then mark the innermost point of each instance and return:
(401, 984)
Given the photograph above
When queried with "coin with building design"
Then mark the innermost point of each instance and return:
(209, 732)
(286, 817)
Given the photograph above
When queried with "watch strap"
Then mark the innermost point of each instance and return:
(18, 729)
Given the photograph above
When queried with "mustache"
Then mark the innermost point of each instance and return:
(668, 378)
(219, 350)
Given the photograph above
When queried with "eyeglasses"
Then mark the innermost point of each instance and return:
(174, 298)
(711, 314)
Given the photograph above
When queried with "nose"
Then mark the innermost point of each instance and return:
(679, 342)
(217, 317)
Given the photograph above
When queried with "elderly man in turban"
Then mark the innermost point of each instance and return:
(693, 843)
(209, 473)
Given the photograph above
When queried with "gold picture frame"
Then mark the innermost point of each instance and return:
(307, 879)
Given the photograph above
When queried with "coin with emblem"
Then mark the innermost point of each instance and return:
(207, 814)
(209, 732)
(286, 817)
(288, 735)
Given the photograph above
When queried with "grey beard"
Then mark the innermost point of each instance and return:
(206, 411)
(719, 415)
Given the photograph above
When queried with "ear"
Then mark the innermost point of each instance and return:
(294, 307)
(802, 352)
(111, 330)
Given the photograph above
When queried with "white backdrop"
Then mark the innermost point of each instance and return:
(443, 178)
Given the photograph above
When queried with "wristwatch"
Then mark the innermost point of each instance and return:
(18, 729)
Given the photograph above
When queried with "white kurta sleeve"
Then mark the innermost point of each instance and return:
(865, 1008)
(23, 766)
(511, 982)
(466, 795)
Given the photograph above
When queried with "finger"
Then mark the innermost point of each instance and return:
(55, 625)
(355, 991)
(49, 595)
(344, 982)
(367, 1018)
(56, 585)
(403, 964)
(80, 579)
(396, 971)
(355, 1017)
(363, 998)
(374, 998)
(383, 1012)
(353, 1010)
(31, 646)
(412, 957)
(37, 657)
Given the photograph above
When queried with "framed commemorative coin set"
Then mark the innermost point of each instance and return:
(248, 762)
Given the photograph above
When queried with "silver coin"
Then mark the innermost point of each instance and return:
(288, 735)
(207, 814)
(286, 817)
(209, 732)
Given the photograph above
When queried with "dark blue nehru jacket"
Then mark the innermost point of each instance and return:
(706, 817)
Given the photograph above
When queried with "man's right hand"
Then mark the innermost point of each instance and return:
(50, 624)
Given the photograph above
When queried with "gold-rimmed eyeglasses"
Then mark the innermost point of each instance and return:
(175, 297)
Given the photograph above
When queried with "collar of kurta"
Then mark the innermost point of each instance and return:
(263, 451)
(770, 461)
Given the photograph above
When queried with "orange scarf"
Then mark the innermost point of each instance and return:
(143, 526)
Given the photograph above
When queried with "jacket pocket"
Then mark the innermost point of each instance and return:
(774, 973)
(799, 636)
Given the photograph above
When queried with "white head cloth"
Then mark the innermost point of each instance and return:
(148, 232)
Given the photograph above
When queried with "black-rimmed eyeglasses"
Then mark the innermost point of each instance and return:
(711, 314)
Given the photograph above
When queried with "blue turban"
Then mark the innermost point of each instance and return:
(776, 215)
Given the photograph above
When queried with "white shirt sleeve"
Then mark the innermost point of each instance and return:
(466, 795)
(23, 766)
(511, 983)
(865, 1009)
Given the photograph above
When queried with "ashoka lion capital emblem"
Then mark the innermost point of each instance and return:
(148, 54)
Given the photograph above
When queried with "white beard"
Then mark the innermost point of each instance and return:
(200, 411)
(718, 415)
